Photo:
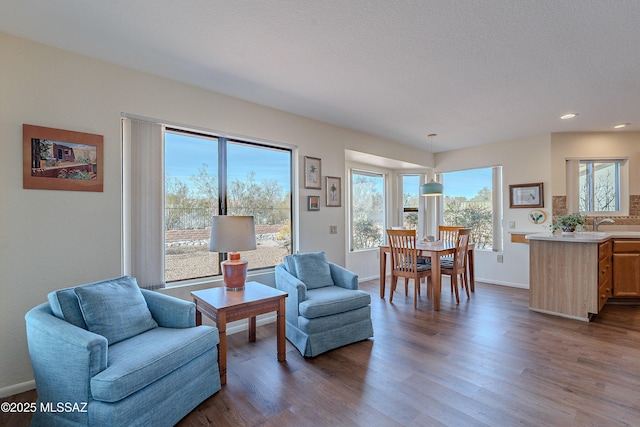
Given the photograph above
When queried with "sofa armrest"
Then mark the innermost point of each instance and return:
(297, 291)
(343, 277)
(64, 357)
(170, 312)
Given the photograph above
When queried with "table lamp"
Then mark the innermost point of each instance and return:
(233, 234)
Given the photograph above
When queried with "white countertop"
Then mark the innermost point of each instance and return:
(584, 237)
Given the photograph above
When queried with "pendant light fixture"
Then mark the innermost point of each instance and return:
(431, 188)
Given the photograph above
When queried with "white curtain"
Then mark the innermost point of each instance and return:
(143, 148)
(496, 195)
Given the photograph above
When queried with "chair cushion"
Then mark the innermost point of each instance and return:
(322, 324)
(332, 300)
(313, 269)
(290, 265)
(422, 266)
(115, 309)
(65, 306)
(446, 263)
(143, 359)
(424, 261)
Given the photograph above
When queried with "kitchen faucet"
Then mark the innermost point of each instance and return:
(596, 223)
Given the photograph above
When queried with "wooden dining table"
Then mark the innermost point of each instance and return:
(433, 250)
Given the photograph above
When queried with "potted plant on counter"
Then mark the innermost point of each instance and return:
(569, 223)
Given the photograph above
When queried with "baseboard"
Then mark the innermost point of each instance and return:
(501, 283)
(17, 388)
(243, 325)
(478, 279)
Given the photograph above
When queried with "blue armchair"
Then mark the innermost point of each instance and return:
(325, 309)
(110, 354)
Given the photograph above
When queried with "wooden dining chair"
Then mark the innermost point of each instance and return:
(404, 262)
(457, 266)
(448, 233)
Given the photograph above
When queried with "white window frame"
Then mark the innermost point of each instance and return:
(496, 205)
(573, 183)
(385, 219)
(401, 190)
(143, 196)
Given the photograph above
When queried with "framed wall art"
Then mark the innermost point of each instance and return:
(526, 196)
(334, 191)
(56, 159)
(312, 173)
(313, 203)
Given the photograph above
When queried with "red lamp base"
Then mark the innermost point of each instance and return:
(234, 271)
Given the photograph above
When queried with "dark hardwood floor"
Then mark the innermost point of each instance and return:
(489, 361)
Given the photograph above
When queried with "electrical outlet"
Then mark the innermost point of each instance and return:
(512, 224)
(500, 258)
(333, 229)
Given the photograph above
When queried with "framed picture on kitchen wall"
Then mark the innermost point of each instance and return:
(334, 191)
(312, 173)
(526, 195)
(58, 159)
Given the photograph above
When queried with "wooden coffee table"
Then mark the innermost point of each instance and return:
(224, 306)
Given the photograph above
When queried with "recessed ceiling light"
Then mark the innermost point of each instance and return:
(621, 125)
(568, 116)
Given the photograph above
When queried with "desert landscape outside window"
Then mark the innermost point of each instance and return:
(257, 182)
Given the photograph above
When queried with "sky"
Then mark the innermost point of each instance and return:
(184, 154)
(466, 183)
(457, 184)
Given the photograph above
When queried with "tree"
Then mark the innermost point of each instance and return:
(604, 193)
(191, 206)
(410, 218)
(476, 215)
(367, 205)
(367, 234)
(39, 150)
(206, 185)
(484, 195)
(265, 201)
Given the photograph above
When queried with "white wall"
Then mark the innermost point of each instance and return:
(523, 161)
(594, 144)
(55, 239)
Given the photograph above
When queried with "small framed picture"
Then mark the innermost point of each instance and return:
(334, 191)
(313, 203)
(312, 173)
(526, 196)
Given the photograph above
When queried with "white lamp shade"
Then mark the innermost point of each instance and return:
(232, 234)
(431, 188)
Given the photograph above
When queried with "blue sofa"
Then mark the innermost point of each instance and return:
(111, 354)
(325, 308)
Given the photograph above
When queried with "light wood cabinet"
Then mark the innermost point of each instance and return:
(568, 278)
(626, 268)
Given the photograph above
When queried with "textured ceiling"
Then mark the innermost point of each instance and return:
(472, 71)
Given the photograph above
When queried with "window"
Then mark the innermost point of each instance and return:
(472, 198)
(410, 190)
(206, 175)
(367, 219)
(599, 186)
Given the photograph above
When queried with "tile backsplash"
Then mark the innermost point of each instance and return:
(559, 207)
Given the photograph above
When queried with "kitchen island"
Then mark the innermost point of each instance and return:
(572, 275)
